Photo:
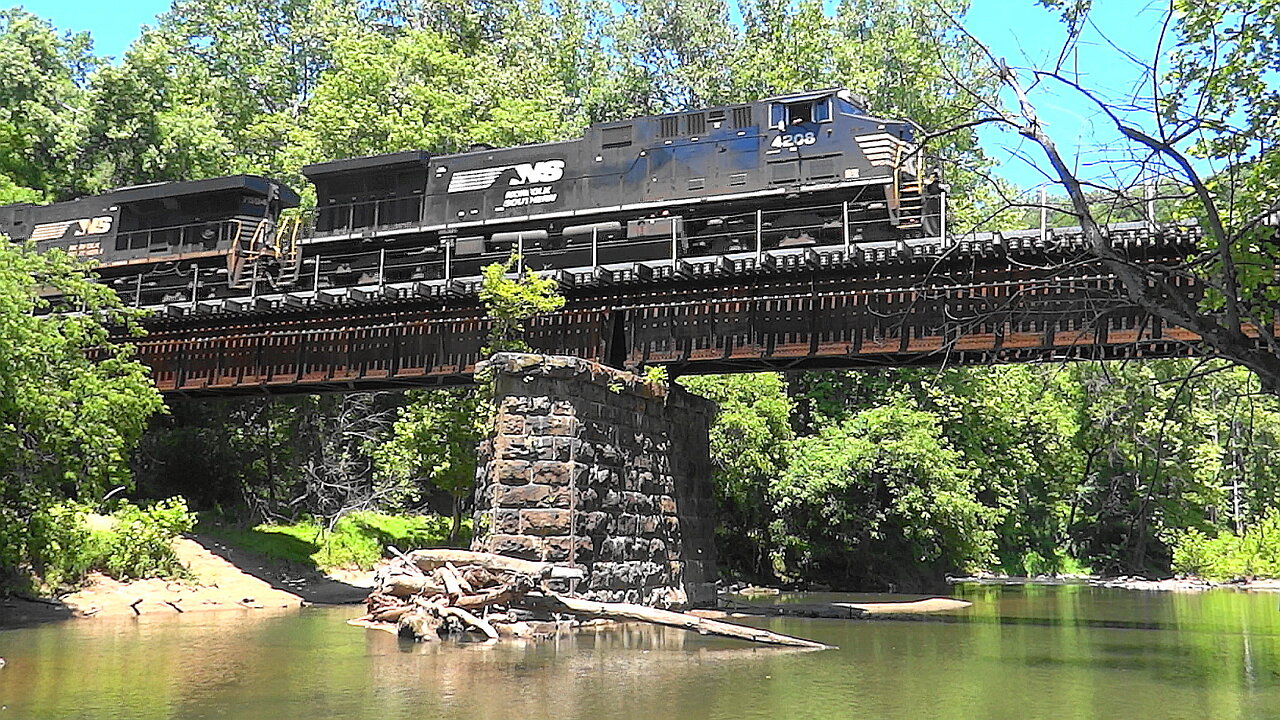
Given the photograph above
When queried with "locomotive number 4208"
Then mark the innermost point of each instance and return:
(786, 141)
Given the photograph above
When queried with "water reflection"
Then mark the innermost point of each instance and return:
(1018, 652)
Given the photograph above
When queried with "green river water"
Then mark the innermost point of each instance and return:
(1019, 652)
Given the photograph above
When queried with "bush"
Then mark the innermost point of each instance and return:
(880, 499)
(358, 540)
(68, 541)
(1255, 554)
(1032, 563)
(62, 548)
(141, 543)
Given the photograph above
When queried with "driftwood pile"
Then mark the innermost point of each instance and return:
(426, 594)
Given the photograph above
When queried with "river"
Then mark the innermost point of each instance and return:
(1058, 652)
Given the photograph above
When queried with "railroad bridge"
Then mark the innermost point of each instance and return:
(588, 465)
(980, 299)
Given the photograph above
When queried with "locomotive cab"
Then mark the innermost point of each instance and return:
(155, 222)
(368, 193)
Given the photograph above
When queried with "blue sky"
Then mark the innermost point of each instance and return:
(1019, 30)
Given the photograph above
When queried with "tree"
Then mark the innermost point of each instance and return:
(880, 499)
(434, 440)
(417, 90)
(512, 302)
(1210, 100)
(72, 403)
(42, 81)
(749, 441)
(141, 126)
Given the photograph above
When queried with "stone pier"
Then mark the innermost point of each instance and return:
(591, 466)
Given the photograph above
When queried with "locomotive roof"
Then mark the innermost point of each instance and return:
(843, 93)
(407, 158)
(249, 184)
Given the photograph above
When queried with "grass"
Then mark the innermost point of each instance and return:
(1032, 563)
(357, 541)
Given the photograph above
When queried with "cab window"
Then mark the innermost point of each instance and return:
(784, 115)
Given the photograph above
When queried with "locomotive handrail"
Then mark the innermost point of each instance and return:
(128, 235)
(374, 223)
(828, 223)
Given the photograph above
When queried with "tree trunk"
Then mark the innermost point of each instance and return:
(705, 626)
(457, 520)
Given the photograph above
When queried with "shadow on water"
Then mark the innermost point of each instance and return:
(18, 612)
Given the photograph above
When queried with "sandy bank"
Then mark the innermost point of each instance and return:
(223, 579)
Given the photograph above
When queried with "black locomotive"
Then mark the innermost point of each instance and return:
(794, 170)
(162, 235)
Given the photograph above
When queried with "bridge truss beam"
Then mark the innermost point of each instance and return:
(961, 306)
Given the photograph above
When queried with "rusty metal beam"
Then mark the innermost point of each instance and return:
(978, 307)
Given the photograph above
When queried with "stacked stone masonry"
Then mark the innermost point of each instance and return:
(593, 467)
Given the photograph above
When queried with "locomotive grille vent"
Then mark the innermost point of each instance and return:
(616, 137)
(883, 149)
(669, 127)
(823, 168)
(696, 123)
(742, 117)
(781, 172)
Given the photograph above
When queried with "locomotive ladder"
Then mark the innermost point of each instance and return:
(274, 245)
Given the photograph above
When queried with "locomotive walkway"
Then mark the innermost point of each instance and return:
(983, 299)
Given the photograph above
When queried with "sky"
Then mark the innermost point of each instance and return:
(1020, 31)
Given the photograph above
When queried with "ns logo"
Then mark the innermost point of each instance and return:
(544, 171)
(540, 172)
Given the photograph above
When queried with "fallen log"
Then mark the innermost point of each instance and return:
(850, 610)
(430, 559)
(629, 611)
(469, 619)
(440, 590)
(420, 624)
(452, 583)
(389, 614)
(490, 596)
(404, 586)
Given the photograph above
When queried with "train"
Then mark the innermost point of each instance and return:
(790, 171)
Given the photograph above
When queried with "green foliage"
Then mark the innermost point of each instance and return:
(656, 374)
(12, 193)
(434, 442)
(357, 540)
(512, 302)
(61, 547)
(1228, 556)
(72, 403)
(860, 498)
(1033, 563)
(67, 541)
(434, 439)
(749, 443)
(140, 543)
(42, 100)
(1025, 469)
